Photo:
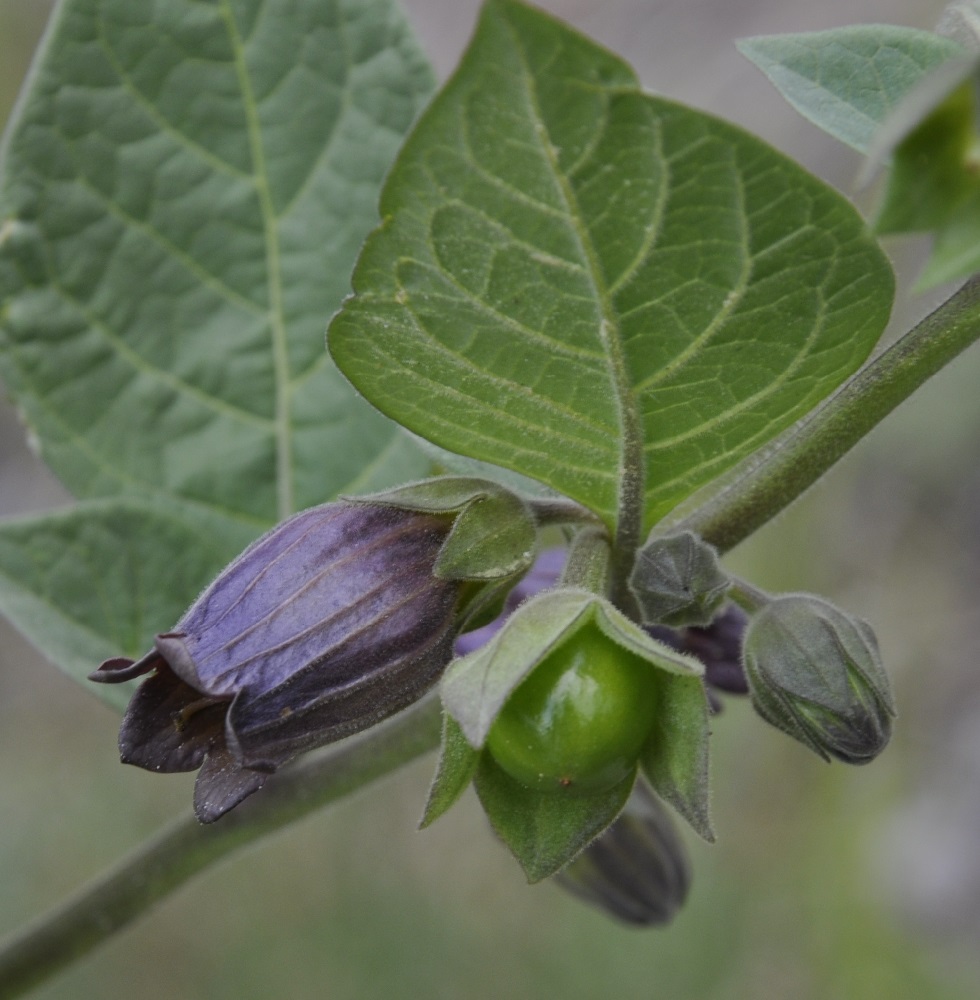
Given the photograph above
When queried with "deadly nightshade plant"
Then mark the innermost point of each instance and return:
(603, 299)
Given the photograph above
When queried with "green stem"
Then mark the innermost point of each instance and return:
(747, 596)
(180, 851)
(826, 435)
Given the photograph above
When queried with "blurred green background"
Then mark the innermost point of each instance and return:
(826, 882)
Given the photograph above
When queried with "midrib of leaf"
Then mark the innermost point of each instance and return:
(277, 326)
(630, 476)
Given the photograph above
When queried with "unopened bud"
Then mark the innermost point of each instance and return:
(815, 673)
(677, 581)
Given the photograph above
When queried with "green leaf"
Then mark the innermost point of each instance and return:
(457, 766)
(933, 170)
(675, 757)
(545, 830)
(933, 184)
(102, 579)
(848, 81)
(185, 188)
(578, 281)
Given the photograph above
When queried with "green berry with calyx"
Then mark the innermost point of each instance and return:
(579, 720)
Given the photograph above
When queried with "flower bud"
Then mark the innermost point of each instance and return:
(677, 580)
(815, 673)
(638, 870)
(326, 625)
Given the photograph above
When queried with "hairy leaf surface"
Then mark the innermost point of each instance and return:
(185, 187)
(602, 290)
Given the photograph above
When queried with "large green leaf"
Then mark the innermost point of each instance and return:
(102, 579)
(576, 280)
(850, 80)
(185, 188)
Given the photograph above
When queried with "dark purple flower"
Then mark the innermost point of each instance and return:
(326, 625)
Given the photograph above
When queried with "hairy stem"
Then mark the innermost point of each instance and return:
(771, 483)
(186, 847)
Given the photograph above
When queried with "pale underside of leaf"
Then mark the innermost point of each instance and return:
(848, 81)
(186, 186)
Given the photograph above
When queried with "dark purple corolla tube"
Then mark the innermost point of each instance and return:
(326, 625)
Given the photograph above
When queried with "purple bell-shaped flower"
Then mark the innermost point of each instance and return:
(326, 625)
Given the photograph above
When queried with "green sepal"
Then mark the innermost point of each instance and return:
(675, 757)
(457, 766)
(495, 533)
(545, 830)
(476, 687)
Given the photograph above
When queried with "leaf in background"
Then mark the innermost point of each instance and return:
(933, 184)
(849, 80)
(102, 579)
(575, 280)
(185, 188)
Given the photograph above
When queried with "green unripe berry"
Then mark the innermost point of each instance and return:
(579, 720)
